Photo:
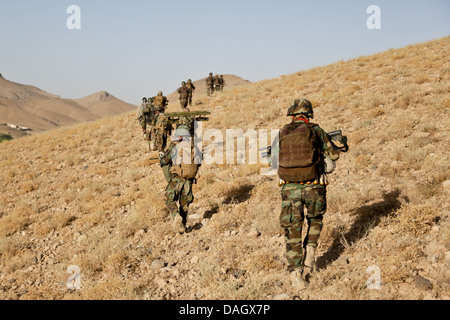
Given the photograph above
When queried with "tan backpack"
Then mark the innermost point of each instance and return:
(298, 155)
(183, 156)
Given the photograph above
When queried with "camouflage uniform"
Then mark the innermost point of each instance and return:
(179, 190)
(184, 95)
(210, 84)
(216, 83)
(222, 82)
(160, 131)
(297, 196)
(191, 89)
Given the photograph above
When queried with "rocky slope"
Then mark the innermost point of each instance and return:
(89, 197)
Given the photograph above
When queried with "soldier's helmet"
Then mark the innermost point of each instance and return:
(189, 81)
(183, 83)
(221, 75)
(160, 93)
(181, 131)
(144, 99)
(210, 73)
(301, 106)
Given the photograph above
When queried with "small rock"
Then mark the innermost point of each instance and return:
(160, 282)
(423, 283)
(195, 216)
(157, 264)
(253, 233)
(194, 260)
(282, 296)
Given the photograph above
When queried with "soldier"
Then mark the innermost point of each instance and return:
(191, 89)
(184, 95)
(222, 82)
(160, 131)
(306, 153)
(160, 101)
(144, 115)
(210, 84)
(180, 166)
(216, 83)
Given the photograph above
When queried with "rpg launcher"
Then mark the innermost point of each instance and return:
(341, 140)
(175, 117)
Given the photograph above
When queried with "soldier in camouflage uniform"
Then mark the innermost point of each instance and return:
(160, 101)
(311, 194)
(184, 95)
(222, 82)
(191, 89)
(210, 84)
(180, 176)
(161, 130)
(145, 116)
(216, 83)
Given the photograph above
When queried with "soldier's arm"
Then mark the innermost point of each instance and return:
(328, 147)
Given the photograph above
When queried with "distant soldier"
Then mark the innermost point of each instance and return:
(210, 84)
(191, 89)
(161, 129)
(145, 115)
(305, 155)
(180, 164)
(216, 83)
(222, 82)
(160, 101)
(184, 95)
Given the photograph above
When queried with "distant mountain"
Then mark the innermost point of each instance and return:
(28, 106)
(104, 104)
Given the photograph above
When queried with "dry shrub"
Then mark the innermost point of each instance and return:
(18, 220)
(416, 218)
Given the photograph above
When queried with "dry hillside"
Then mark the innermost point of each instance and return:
(28, 106)
(88, 196)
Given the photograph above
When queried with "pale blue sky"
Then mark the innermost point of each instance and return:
(135, 48)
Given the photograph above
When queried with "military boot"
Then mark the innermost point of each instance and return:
(177, 224)
(297, 280)
(310, 257)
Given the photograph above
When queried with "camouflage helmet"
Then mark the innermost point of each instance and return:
(301, 106)
(210, 73)
(144, 99)
(182, 131)
(189, 81)
(160, 93)
(183, 83)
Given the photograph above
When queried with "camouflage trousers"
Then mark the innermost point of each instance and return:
(183, 103)
(179, 196)
(294, 200)
(158, 141)
(209, 90)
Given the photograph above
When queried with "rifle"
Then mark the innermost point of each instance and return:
(268, 152)
(175, 117)
(337, 136)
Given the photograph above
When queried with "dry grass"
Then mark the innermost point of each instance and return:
(87, 196)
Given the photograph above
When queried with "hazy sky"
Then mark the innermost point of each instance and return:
(135, 48)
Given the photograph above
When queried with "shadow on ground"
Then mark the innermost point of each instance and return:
(367, 218)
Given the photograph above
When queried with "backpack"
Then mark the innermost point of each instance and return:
(182, 166)
(298, 156)
(159, 101)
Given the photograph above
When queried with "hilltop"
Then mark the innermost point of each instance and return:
(33, 108)
(231, 81)
(89, 197)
